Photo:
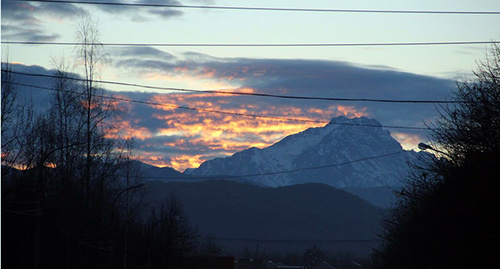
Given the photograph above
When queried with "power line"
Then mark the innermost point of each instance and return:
(429, 12)
(229, 112)
(22, 202)
(283, 171)
(245, 93)
(386, 44)
(34, 212)
(290, 241)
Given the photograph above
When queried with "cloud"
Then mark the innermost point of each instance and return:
(180, 134)
(145, 56)
(142, 52)
(27, 13)
(309, 78)
(25, 21)
(143, 13)
(171, 136)
(12, 32)
(127, 129)
(210, 134)
(408, 140)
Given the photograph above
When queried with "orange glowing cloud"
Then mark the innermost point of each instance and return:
(180, 163)
(181, 69)
(152, 159)
(126, 131)
(196, 136)
(86, 105)
(208, 72)
(204, 78)
(51, 165)
(28, 7)
(407, 141)
(350, 111)
(120, 103)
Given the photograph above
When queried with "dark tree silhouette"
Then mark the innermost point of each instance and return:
(12, 117)
(75, 203)
(473, 125)
(163, 238)
(449, 216)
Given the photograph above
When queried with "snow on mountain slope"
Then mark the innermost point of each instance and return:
(341, 141)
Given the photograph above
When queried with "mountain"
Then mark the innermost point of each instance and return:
(233, 212)
(158, 173)
(343, 141)
(164, 174)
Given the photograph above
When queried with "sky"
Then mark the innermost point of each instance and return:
(180, 138)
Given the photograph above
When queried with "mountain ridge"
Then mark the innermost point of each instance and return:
(313, 211)
(342, 141)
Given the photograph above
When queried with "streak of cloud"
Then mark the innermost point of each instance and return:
(305, 77)
(209, 135)
(169, 136)
(25, 21)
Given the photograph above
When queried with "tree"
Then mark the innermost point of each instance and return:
(209, 247)
(8, 98)
(473, 124)
(97, 112)
(12, 114)
(64, 196)
(450, 212)
(75, 204)
(169, 236)
(66, 119)
(313, 256)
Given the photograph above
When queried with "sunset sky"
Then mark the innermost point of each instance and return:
(183, 138)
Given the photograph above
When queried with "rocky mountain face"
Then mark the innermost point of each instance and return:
(346, 152)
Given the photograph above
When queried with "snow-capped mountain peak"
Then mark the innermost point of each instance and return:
(340, 141)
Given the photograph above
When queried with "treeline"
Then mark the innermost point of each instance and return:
(71, 197)
(449, 215)
(313, 257)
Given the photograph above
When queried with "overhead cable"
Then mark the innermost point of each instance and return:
(229, 112)
(280, 172)
(385, 44)
(428, 12)
(227, 92)
(291, 241)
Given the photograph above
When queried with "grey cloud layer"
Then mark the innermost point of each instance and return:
(309, 78)
(24, 20)
(142, 13)
(21, 21)
(11, 32)
(294, 77)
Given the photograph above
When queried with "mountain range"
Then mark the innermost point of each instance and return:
(310, 186)
(317, 187)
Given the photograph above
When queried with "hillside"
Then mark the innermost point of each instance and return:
(232, 210)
